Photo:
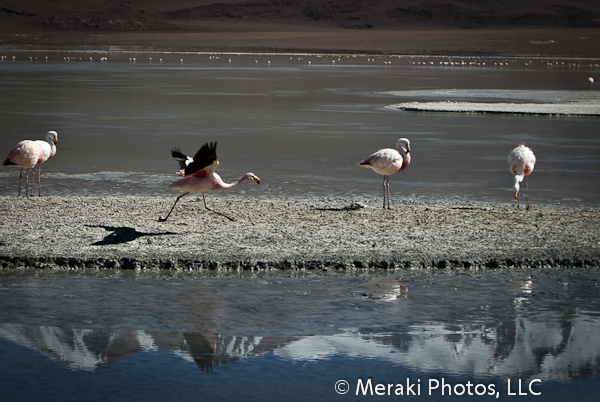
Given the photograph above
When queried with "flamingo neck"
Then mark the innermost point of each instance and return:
(518, 179)
(47, 153)
(228, 186)
(405, 159)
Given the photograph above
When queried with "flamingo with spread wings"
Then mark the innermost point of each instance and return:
(199, 175)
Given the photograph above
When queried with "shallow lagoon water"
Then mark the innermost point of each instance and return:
(125, 335)
(114, 335)
(300, 127)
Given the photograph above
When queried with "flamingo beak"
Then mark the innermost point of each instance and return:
(55, 140)
(408, 148)
(256, 179)
(516, 194)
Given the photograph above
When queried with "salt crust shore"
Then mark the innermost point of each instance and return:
(123, 232)
(558, 109)
(536, 102)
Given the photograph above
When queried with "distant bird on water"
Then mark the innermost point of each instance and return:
(26, 154)
(388, 161)
(200, 177)
(521, 162)
(591, 81)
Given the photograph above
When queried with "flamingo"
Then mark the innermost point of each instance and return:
(388, 161)
(200, 177)
(26, 154)
(591, 81)
(521, 161)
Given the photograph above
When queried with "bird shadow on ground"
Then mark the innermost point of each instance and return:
(352, 207)
(123, 234)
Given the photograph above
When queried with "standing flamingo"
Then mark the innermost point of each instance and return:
(521, 161)
(388, 161)
(591, 81)
(26, 154)
(200, 177)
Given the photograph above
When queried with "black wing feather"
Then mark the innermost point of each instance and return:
(180, 156)
(206, 156)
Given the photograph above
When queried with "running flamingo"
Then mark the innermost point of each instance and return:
(26, 154)
(200, 177)
(388, 161)
(521, 161)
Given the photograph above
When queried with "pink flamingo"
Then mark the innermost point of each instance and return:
(591, 81)
(388, 161)
(521, 161)
(26, 154)
(200, 177)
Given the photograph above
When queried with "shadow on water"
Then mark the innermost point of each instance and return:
(123, 234)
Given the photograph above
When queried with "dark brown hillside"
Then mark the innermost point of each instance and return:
(570, 26)
(140, 15)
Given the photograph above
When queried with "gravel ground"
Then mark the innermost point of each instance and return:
(124, 232)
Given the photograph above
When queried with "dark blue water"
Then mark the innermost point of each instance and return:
(111, 335)
(299, 127)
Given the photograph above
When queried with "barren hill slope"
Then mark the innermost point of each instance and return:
(143, 15)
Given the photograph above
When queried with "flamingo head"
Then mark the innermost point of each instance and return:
(250, 177)
(52, 136)
(403, 144)
(517, 186)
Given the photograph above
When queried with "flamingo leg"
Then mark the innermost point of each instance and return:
(388, 191)
(212, 210)
(173, 207)
(527, 193)
(384, 192)
(39, 181)
(20, 180)
(32, 181)
(27, 182)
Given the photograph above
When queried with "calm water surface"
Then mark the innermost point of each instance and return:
(127, 336)
(108, 335)
(300, 127)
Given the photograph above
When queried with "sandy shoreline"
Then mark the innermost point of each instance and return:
(558, 109)
(123, 232)
(547, 102)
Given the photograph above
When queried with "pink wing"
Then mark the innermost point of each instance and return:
(25, 154)
(386, 161)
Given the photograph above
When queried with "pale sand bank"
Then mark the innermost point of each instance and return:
(540, 102)
(123, 232)
(561, 109)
